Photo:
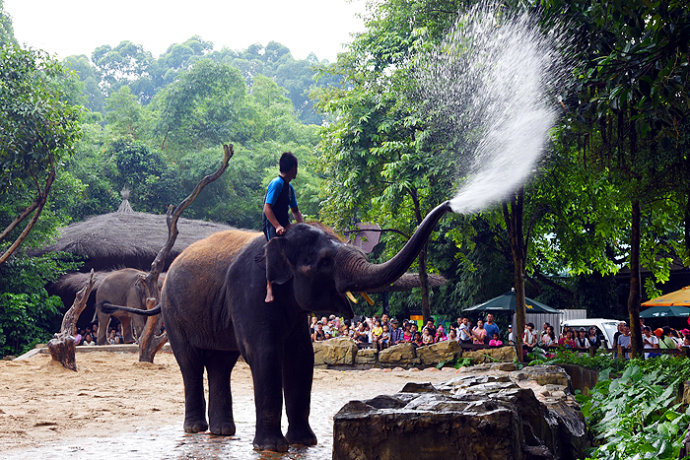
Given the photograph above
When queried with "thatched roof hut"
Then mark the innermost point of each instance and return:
(120, 239)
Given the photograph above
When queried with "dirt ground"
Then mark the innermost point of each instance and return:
(42, 403)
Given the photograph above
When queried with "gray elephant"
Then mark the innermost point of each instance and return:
(122, 287)
(214, 309)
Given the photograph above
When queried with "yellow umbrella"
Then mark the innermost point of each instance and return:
(680, 297)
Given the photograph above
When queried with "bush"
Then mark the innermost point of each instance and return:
(28, 314)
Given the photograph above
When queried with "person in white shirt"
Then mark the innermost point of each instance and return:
(649, 342)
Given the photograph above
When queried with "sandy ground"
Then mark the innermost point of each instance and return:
(43, 403)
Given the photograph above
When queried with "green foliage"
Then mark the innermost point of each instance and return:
(601, 361)
(28, 314)
(637, 415)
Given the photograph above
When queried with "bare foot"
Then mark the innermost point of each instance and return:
(269, 298)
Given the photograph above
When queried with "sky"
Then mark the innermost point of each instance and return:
(69, 27)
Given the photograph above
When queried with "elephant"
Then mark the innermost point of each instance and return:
(214, 310)
(122, 287)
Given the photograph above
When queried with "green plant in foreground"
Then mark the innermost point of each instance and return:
(638, 415)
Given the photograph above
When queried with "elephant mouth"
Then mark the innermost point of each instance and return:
(345, 306)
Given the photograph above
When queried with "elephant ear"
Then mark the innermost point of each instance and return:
(141, 287)
(278, 267)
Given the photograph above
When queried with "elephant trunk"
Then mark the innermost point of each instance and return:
(357, 274)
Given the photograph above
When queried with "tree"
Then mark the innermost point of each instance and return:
(39, 129)
(382, 159)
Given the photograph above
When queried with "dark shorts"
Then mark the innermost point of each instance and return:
(269, 231)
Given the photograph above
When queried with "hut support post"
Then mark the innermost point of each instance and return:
(62, 347)
(149, 343)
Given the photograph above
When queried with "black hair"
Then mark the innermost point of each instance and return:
(287, 161)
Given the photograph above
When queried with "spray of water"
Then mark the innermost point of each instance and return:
(491, 84)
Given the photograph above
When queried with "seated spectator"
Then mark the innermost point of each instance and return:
(511, 335)
(319, 334)
(417, 341)
(495, 341)
(665, 342)
(407, 334)
(686, 341)
(77, 336)
(88, 340)
(427, 338)
(361, 335)
(430, 326)
(452, 335)
(111, 337)
(396, 332)
(440, 335)
(376, 332)
(385, 339)
(118, 340)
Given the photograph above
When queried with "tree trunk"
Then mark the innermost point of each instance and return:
(149, 342)
(423, 254)
(635, 288)
(62, 347)
(513, 219)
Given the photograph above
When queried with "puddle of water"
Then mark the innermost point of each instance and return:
(170, 442)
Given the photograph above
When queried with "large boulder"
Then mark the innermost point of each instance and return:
(319, 354)
(487, 355)
(470, 417)
(339, 351)
(442, 352)
(367, 356)
(402, 354)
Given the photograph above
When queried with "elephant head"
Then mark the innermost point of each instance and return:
(322, 269)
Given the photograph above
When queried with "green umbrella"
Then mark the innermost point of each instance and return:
(674, 311)
(506, 302)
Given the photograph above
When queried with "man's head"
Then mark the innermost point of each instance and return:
(490, 318)
(288, 165)
(430, 323)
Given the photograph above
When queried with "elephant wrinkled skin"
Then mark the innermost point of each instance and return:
(213, 309)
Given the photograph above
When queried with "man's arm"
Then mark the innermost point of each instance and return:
(297, 215)
(268, 210)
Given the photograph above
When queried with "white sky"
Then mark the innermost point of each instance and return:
(68, 27)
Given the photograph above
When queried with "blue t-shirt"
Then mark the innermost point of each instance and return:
(491, 329)
(274, 189)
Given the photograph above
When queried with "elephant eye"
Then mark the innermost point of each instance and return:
(325, 263)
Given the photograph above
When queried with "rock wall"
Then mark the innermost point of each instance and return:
(343, 351)
(489, 412)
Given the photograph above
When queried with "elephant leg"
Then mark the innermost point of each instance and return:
(298, 372)
(103, 323)
(219, 365)
(126, 322)
(191, 365)
(265, 361)
(138, 324)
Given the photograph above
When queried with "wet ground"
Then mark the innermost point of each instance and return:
(330, 392)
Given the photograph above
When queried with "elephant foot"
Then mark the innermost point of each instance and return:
(275, 443)
(223, 428)
(195, 426)
(302, 436)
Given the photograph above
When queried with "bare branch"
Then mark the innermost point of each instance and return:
(149, 344)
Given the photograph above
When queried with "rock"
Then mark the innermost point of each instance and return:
(581, 378)
(468, 417)
(319, 354)
(339, 351)
(487, 355)
(431, 355)
(546, 374)
(366, 356)
(402, 354)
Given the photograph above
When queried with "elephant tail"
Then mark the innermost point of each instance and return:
(109, 308)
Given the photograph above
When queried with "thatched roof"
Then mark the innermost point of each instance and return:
(126, 239)
(411, 280)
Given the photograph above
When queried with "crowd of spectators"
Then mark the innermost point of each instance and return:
(87, 336)
(383, 332)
